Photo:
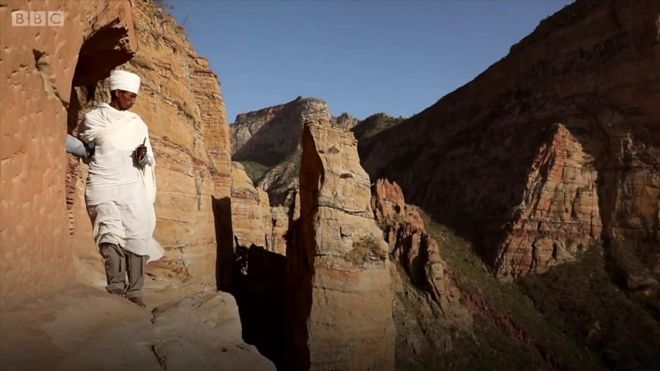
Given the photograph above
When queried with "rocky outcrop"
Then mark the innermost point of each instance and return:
(412, 248)
(85, 329)
(374, 124)
(40, 66)
(491, 160)
(267, 143)
(559, 215)
(425, 278)
(254, 221)
(250, 211)
(338, 271)
(181, 103)
(345, 121)
(272, 134)
(283, 218)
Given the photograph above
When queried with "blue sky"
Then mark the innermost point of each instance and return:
(361, 57)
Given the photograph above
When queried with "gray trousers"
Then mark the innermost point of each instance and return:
(119, 263)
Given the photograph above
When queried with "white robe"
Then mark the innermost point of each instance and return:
(120, 197)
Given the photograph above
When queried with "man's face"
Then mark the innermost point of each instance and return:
(125, 99)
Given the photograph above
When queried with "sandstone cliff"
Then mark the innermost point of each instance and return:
(417, 254)
(40, 68)
(52, 77)
(267, 143)
(552, 149)
(180, 101)
(251, 215)
(345, 121)
(338, 270)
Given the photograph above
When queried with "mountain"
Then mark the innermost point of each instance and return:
(551, 150)
(267, 141)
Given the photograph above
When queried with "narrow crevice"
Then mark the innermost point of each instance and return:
(161, 359)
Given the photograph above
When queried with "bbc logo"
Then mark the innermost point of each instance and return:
(23, 18)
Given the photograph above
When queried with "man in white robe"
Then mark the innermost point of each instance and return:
(121, 188)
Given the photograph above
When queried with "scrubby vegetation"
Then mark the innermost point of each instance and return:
(375, 124)
(571, 317)
(255, 170)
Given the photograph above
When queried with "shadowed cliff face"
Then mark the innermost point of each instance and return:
(550, 149)
(428, 306)
(267, 142)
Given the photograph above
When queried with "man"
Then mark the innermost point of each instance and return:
(121, 188)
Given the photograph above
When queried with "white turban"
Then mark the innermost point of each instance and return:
(124, 80)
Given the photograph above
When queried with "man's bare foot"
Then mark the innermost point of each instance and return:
(138, 300)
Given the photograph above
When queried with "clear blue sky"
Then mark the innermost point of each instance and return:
(362, 57)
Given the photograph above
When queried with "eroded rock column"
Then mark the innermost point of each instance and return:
(340, 300)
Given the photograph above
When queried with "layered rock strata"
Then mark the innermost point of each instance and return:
(559, 213)
(250, 212)
(414, 250)
(267, 142)
(491, 161)
(338, 271)
(40, 66)
(180, 101)
(54, 75)
(268, 136)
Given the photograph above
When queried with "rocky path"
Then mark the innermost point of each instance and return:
(84, 328)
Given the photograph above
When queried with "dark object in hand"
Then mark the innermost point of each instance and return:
(140, 153)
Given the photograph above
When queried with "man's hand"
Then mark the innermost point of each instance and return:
(140, 154)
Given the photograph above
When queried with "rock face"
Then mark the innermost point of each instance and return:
(417, 252)
(39, 68)
(425, 279)
(345, 121)
(553, 147)
(181, 103)
(54, 75)
(82, 328)
(559, 215)
(251, 215)
(267, 142)
(270, 135)
(338, 271)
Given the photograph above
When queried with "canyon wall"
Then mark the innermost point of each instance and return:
(267, 143)
(40, 66)
(550, 150)
(181, 102)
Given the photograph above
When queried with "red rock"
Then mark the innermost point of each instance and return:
(475, 159)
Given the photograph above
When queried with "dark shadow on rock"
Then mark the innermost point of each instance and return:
(262, 149)
(101, 53)
(259, 292)
(224, 267)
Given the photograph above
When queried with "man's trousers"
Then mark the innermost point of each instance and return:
(118, 264)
